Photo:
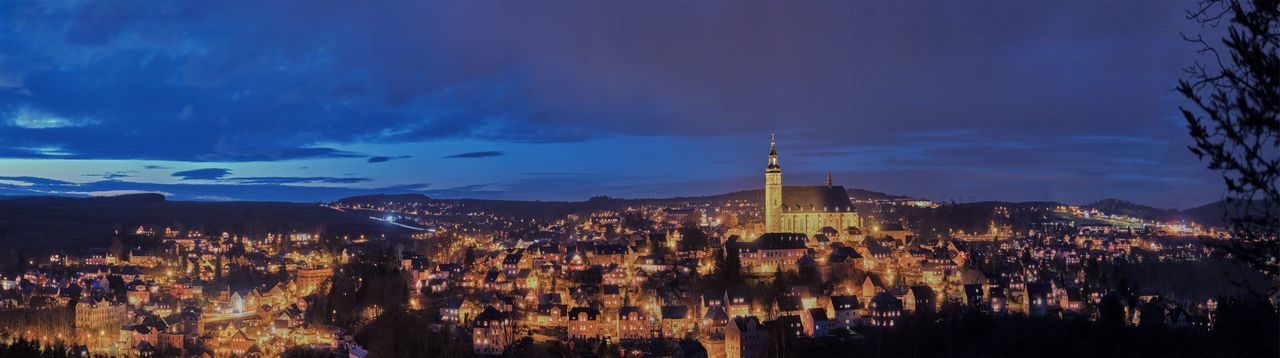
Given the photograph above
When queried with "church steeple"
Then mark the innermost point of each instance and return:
(773, 154)
(828, 179)
(773, 190)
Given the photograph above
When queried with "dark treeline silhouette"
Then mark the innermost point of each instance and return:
(1243, 329)
(1234, 119)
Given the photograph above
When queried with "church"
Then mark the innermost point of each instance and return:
(804, 209)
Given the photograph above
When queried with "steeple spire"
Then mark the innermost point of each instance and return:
(828, 179)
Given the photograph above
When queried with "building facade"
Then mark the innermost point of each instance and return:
(804, 209)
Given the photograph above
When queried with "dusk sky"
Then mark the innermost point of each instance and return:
(1069, 101)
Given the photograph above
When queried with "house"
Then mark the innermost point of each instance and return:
(920, 300)
(553, 315)
(675, 321)
(450, 310)
(712, 299)
(788, 305)
(1036, 299)
(170, 340)
(526, 280)
(841, 260)
(772, 252)
(714, 322)
(885, 309)
(871, 285)
(514, 262)
(584, 323)
(239, 344)
(738, 302)
(1073, 301)
(745, 337)
(633, 324)
(999, 303)
(816, 323)
(609, 254)
(845, 309)
(492, 332)
(973, 296)
(612, 296)
(896, 231)
(615, 275)
(876, 251)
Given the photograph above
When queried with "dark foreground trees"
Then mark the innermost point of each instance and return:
(1244, 330)
(1234, 118)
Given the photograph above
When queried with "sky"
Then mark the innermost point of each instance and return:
(314, 100)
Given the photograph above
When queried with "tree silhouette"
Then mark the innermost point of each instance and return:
(1235, 119)
(728, 268)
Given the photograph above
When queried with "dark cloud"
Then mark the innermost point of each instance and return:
(202, 192)
(468, 191)
(203, 174)
(484, 154)
(114, 175)
(29, 180)
(221, 175)
(380, 159)
(297, 180)
(155, 167)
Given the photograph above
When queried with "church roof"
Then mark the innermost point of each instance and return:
(777, 241)
(808, 199)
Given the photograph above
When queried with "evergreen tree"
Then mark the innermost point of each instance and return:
(728, 268)
(217, 269)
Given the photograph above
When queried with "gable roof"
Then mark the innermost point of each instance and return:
(779, 241)
(746, 323)
(841, 303)
(821, 199)
(591, 313)
(675, 312)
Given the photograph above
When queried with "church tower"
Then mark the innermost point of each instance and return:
(773, 190)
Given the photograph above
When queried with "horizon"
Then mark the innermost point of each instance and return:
(169, 197)
(1067, 102)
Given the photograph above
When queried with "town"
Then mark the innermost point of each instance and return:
(807, 266)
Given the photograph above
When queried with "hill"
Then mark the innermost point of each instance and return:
(556, 209)
(1211, 214)
(41, 224)
(1215, 212)
(1123, 207)
(385, 198)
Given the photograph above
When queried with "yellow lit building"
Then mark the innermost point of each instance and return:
(804, 209)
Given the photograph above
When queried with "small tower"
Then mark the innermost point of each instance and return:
(828, 179)
(773, 190)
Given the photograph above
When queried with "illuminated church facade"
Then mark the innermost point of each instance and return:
(804, 209)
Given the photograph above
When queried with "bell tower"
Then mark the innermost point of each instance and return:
(773, 190)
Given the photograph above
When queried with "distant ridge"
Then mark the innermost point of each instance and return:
(758, 194)
(385, 198)
(1128, 208)
(140, 198)
(554, 209)
(37, 224)
(1212, 214)
(1208, 214)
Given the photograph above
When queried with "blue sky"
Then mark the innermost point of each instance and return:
(315, 100)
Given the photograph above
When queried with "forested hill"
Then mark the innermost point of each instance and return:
(40, 224)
